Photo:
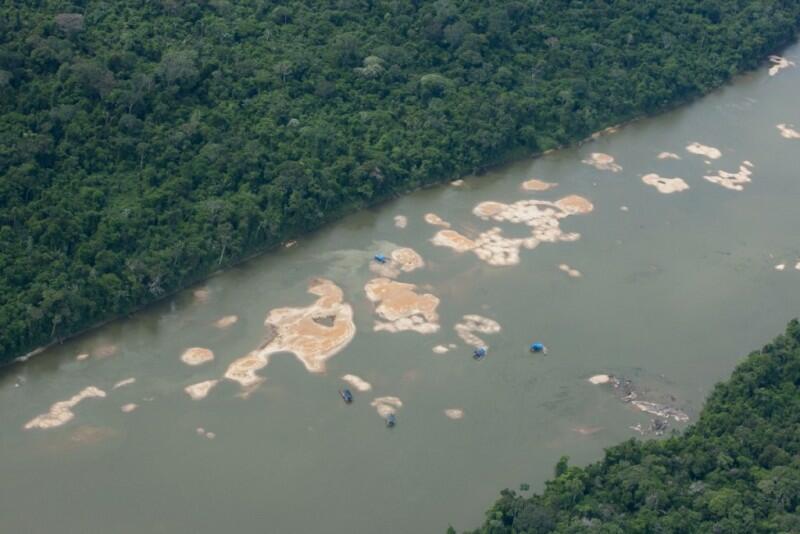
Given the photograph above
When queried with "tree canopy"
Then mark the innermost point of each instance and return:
(144, 144)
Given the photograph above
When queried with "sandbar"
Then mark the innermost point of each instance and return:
(401, 308)
(200, 295)
(82, 356)
(440, 349)
(225, 322)
(602, 162)
(196, 356)
(476, 323)
(537, 185)
(704, 150)
(357, 382)
(788, 132)
(732, 180)
(61, 412)
(454, 413)
(457, 183)
(571, 272)
(661, 410)
(600, 379)
(435, 220)
(400, 221)
(778, 64)
(128, 408)
(200, 390)
(668, 155)
(126, 382)
(665, 185)
(780, 267)
(386, 406)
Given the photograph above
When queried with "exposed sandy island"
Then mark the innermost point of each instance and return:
(600, 379)
(225, 322)
(313, 334)
(453, 240)
(602, 162)
(200, 295)
(435, 220)
(780, 267)
(386, 406)
(788, 132)
(732, 180)
(201, 389)
(196, 356)
(290, 244)
(357, 382)
(703, 150)
(665, 185)
(537, 185)
(61, 412)
(668, 155)
(457, 183)
(661, 410)
(82, 356)
(476, 323)
(454, 413)
(778, 64)
(440, 349)
(571, 272)
(401, 308)
(123, 383)
(400, 221)
(401, 260)
(128, 408)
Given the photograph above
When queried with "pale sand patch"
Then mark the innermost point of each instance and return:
(537, 185)
(788, 132)
(607, 131)
(572, 273)
(196, 356)
(386, 406)
(668, 155)
(575, 204)
(780, 267)
(313, 334)
(290, 244)
(123, 383)
(128, 408)
(623, 208)
(204, 433)
(357, 382)
(440, 349)
(600, 379)
(401, 308)
(200, 295)
(201, 389)
(453, 240)
(665, 185)
(703, 150)
(61, 412)
(475, 323)
(732, 180)
(457, 183)
(435, 220)
(602, 162)
(797, 266)
(104, 351)
(82, 356)
(778, 64)
(401, 260)
(210, 435)
(454, 413)
(661, 410)
(748, 163)
(452, 346)
(227, 321)
(400, 221)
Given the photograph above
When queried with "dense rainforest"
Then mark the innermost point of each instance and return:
(146, 143)
(737, 470)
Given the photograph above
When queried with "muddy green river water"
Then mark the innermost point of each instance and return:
(674, 290)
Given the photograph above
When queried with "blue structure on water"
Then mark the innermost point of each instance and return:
(380, 258)
(479, 353)
(347, 395)
(537, 347)
(391, 420)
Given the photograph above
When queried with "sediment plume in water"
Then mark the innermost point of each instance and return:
(778, 64)
(435, 220)
(704, 150)
(123, 383)
(537, 185)
(61, 412)
(128, 408)
(196, 356)
(732, 180)
(788, 132)
(400, 221)
(571, 272)
(313, 334)
(668, 155)
(454, 413)
(602, 162)
(227, 321)
(401, 308)
(200, 390)
(386, 406)
(665, 185)
(476, 323)
(357, 382)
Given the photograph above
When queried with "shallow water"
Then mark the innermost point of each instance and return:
(674, 292)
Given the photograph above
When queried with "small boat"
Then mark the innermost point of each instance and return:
(380, 258)
(538, 347)
(479, 353)
(391, 420)
(347, 395)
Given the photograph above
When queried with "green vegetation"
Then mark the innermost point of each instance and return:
(145, 144)
(736, 470)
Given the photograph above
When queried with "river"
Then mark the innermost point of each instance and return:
(674, 290)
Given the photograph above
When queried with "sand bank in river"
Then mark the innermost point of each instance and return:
(435, 220)
(357, 382)
(225, 322)
(61, 412)
(571, 272)
(386, 406)
(665, 185)
(457, 183)
(476, 323)
(440, 349)
(196, 356)
(778, 64)
(600, 379)
(128, 408)
(400, 221)
(668, 155)
(313, 334)
(732, 180)
(201, 389)
(401, 308)
(788, 132)
(400, 260)
(602, 162)
(123, 383)
(703, 150)
(454, 413)
(200, 295)
(661, 410)
(537, 185)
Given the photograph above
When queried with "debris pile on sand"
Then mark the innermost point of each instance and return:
(668, 155)
(703, 150)
(778, 64)
(571, 272)
(401, 308)
(313, 334)
(196, 356)
(732, 180)
(780, 267)
(227, 321)
(665, 185)
(400, 221)
(457, 183)
(454, 413)
(357, 382)
(537, 185)
(788, 132)
(475, 323)
(61, 412)
(602, 162)
(200, 390)
(386, 406)
(435, 220)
